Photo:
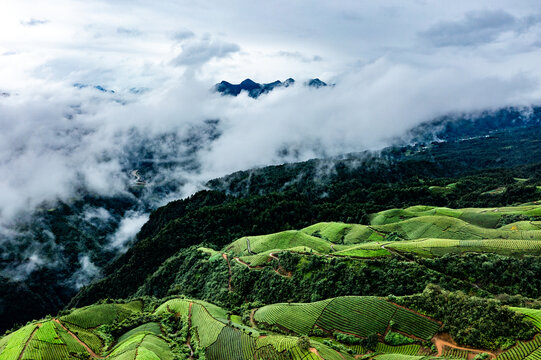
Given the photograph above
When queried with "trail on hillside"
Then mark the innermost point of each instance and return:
(314, 351)
(189, 326)
(28, 341)
(416, 312)
(224, 255)
(240, 261)
(283, 272)
(92, 353)
(248, 246)
(252, 320)
(444, 340)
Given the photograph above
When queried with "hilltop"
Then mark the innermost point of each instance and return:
(254, 90)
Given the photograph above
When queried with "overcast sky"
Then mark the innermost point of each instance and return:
(395, 64)
(138, 43)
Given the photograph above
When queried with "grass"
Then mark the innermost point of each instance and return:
(411, 349)
(208, 328)
(422, 230)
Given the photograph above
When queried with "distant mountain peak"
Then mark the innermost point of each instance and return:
(315, 83)
(255, 89)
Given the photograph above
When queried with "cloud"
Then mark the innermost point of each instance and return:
(198, 52)
(127, 229)
(87, 271)
(127, 32)
(182, 35)
(56, 140)
(300, 56)
(477, 28)
(34, 22)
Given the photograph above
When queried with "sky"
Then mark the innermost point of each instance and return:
(394, 64)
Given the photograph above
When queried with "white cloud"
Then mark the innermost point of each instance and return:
(56, 139)
(198, 52)
(127, 229)
(86, 272)
(477, 28)
(34, 22)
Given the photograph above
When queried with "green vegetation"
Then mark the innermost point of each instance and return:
(523, 350)
(320, 265)
(534, 315)
(343, 326)
(298, 318)
(96, 315)
(360, 316)
(476, 322)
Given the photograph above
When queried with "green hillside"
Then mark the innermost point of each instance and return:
(333, 329)
(317, 265)
(420, 230)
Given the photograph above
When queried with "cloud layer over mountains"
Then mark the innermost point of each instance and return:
(149, 70)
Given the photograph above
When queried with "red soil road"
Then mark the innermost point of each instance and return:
(416, 312)
(314, 351)
(246, 264)
(89, 350)
(29, 339)
(287, 273)
(444, 340)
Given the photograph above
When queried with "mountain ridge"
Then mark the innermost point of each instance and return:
(255, 89)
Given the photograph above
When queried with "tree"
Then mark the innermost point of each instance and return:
(304, 342)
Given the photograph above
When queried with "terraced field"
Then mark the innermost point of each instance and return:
(420, 230)
(534, 315)
(483, 217)
(210, 331)
(356, 315)
(340, 327)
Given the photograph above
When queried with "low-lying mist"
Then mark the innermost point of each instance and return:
(74, 145)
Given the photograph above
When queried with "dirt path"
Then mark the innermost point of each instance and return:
(314, 351)
(248, 246)
(189, 326)
(416, 312)
(252, 320)
(224, 255)
(444, 340)
(92, 353)
(280, 271)
(139, 345)
(29, 339)
(247, 265)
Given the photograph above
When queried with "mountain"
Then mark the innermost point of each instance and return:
(294, 196)
(483, 153)
(254, 89)
(315, 83)
(328, 291)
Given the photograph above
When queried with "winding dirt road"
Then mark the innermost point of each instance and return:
(444, 340)
(28, 341)
(92, 353)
